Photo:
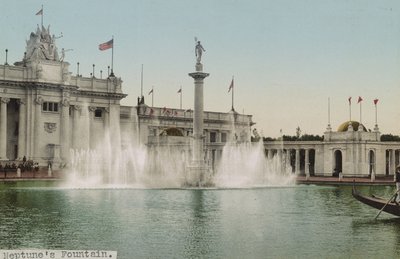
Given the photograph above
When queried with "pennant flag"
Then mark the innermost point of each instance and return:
(349, 100)
(180, 91)
(359, 99)
(151, 91)
(106, 45)
(231, 86)
(40, 12)
(376, 101)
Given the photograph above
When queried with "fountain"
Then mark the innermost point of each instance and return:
(243, 164)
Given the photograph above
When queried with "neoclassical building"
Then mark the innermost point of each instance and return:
(46, 111)
(351, 150)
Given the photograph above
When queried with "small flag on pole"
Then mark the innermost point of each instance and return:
(151, 91)
(376, 101)
(230, 86)
(40, 12)
(106, 45)
(180, 90)
(350, 100)
(359, 99)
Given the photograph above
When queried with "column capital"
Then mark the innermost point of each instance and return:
(92, 108)
(39, 100)
(21, 101)
(5, 100)
(65, 102)
(77, 107)
(106, 109)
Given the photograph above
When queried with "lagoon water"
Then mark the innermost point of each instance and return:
(274, 222)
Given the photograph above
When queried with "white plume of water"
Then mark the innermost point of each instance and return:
(245, 165)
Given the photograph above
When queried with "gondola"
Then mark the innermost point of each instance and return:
(377, 203)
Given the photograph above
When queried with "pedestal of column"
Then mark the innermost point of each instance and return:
(3, 128)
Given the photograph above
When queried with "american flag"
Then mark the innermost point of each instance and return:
(106, 45)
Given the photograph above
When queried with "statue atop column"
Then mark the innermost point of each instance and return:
(199, 51)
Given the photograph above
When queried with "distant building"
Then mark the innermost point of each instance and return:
(351, 151)
(45, 111)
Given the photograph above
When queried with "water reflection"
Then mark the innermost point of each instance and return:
(303, 221)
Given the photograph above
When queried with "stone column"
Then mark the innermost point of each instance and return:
(307, 163)
(392, 161)
(196, 174)
(3, 128)
(288, 157)
(91, 118)
(38, 129)
(65, 142)
(22, 129)
(297, 169)
(76, 130)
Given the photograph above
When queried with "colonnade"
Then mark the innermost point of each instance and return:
(286, 156)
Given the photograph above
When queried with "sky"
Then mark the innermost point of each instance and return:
(287, 57)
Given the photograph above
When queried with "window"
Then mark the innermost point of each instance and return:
(213, 137)
(50, 107)
(98, 113)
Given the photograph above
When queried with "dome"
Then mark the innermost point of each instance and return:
(172, 132)
(345, 125)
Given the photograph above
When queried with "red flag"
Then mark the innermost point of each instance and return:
(231, 86)
(40, 12)
(359, 99)
(151, 91)
(376, 101)
(350, 100)
(106, 45)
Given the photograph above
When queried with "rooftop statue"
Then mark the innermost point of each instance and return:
(41, 46)
(199, 51)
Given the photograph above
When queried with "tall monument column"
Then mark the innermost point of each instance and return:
(3, 128)
(197, 169)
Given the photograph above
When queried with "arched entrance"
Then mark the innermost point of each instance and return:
(337, 168)
(371, 165)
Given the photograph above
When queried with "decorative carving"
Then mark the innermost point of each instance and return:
(106, 109)
(65, 102)
(77, 107)
(92, 108)
(41, 46)
(5, 100)
(21, 101)
(39, 100)
(50, 127)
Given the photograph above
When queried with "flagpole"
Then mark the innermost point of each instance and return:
(180, 106)
(233, 89)
(329, 111)
(360, 113)
(350, 108)
(112, 57)
(141, 82)
(42, 16)
(152, 96)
